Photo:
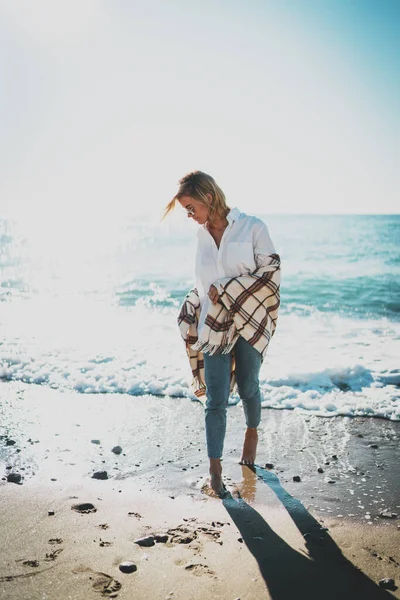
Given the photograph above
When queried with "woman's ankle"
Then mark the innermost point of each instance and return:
(215, 466)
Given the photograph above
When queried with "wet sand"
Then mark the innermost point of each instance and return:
(334, 533)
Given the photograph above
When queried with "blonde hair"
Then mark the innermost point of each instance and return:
(197, 185)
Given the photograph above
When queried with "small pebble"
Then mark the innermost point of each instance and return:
(117, 450)
(95, 442)
(51, 513)
(297, 478)
(14, 477)
(387, 514)
(127, 567)
(375, 446)
(320, 470)
(269, 466)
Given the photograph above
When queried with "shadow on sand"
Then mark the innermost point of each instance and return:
(325, 574)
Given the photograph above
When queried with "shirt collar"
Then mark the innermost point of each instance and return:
(233, 215)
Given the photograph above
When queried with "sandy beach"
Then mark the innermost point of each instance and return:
(317, 517)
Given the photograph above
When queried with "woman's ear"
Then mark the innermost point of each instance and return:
(209, 197)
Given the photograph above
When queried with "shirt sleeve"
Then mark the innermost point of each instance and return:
(262, 240)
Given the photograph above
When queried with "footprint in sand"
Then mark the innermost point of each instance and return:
(199, 569)
(103, 584)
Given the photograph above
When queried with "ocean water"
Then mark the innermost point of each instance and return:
(91, 306)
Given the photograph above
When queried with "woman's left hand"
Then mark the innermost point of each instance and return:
(213, 294)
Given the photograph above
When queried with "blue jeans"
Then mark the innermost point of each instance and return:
(217, 375)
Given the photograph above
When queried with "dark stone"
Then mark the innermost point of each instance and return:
(388, 584)
(95, 442)
(10, 442)
(14, 477)
(269, 466)
(334, 456)
(127, 567)
(100, 475)
(85, 507)
(161, 539)
(375, 446)
(320, 470)
(51, 513)
(145, 541)
(297, 478)
(117, 450)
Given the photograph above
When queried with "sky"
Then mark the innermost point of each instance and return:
(292, 105)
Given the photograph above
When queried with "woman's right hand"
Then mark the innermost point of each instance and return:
(213, 294)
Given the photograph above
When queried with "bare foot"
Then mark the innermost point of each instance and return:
(249, 446)
(216, 483)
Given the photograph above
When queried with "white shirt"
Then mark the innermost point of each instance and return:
(244, 245)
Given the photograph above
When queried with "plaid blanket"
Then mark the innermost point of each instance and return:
(248, 306)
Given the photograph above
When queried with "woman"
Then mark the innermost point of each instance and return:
(228, 320)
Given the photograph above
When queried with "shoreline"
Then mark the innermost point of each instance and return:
(308, 528)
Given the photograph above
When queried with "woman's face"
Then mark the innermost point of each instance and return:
(195, 209)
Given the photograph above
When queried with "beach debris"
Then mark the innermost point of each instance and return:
(375, 446)
(14, 478)
(146, 541)
(117, 450)
(135, 514)
(51, 513)
(297, 478)
(30, 563)
(320, 470)
(386, 513)
(104, 544)
(84, 508)
(103, 526)
(54, 541)
(100, 475)
(388, 584)
(97, 442)
(268, 466)
(127, 567)
(50, 556)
